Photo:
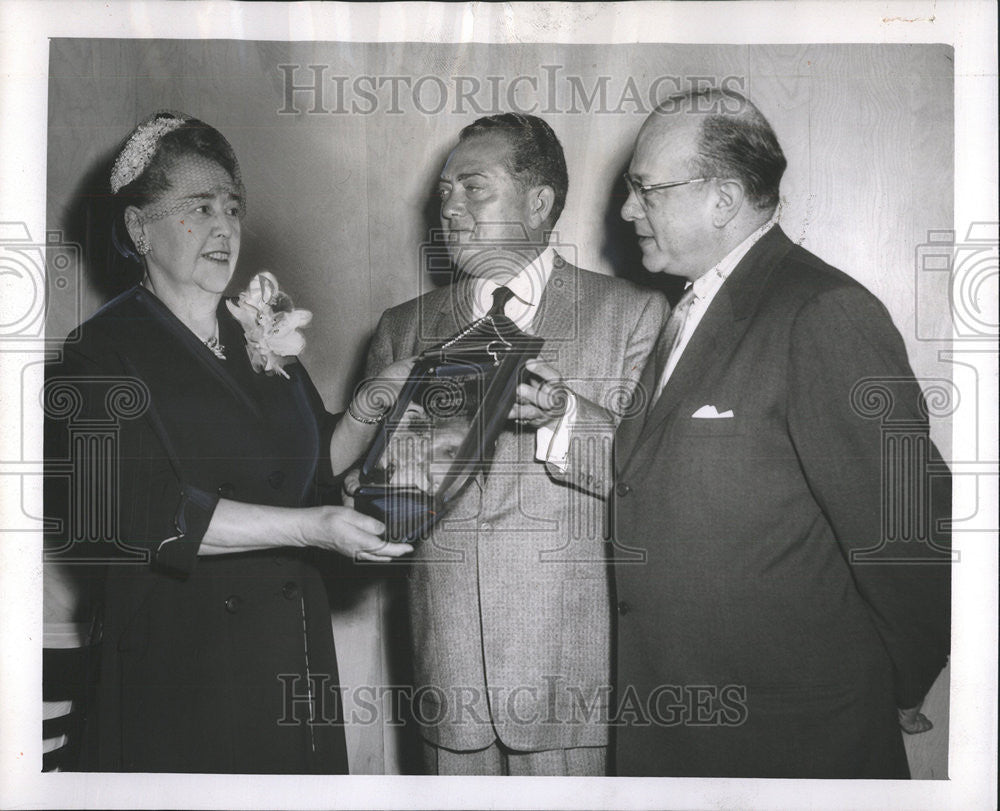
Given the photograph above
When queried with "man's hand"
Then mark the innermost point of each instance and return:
(913, 722)
(543, 398)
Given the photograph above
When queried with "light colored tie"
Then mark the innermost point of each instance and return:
(670, 336)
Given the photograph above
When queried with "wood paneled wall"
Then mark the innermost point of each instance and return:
(340, 203)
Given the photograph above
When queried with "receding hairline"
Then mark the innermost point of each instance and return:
(673, 113)
(667, 125)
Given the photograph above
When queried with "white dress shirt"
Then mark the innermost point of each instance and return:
(552, 444)
(705, 288)
(527, 287)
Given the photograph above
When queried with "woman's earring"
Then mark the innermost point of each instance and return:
(142, 244)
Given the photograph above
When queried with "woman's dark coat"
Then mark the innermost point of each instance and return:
(209, 663)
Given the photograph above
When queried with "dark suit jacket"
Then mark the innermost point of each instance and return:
(748, 532)
(510, 592)
(194, 648)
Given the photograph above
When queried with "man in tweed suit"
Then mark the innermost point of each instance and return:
(509, 595)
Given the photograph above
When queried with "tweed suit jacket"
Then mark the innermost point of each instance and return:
(791, 559)
(509, 594)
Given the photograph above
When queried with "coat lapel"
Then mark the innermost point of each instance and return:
(719, 331)
(704, 345)
(556, 316)
(630, 428)
(554, 319)
(447, 316)
(230, 334)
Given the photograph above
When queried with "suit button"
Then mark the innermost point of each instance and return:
(233, 604)
(226, 490)
(622, 489)
(623, 607)
(290, 590)
(276, 479)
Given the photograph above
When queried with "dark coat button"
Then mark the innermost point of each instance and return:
(622, 489)
(233, 604)
(276, 479)
(226, 490)
(290, 591)
(623, 607)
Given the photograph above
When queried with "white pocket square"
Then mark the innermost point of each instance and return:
(710, 412)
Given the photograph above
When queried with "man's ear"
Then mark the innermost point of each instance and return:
(540, 202)
(134, 224)
(730, 198)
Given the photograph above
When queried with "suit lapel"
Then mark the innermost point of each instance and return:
(703, 347)
(446, 317)
(630, 427)
(718, 332)
(556, 315)
(230, 334)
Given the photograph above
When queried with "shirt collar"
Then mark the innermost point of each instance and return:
(527, 285)
(706, 285)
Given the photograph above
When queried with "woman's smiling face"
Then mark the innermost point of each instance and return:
(193, 229)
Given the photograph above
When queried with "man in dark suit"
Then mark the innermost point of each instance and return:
(509, 595)
(768, 624)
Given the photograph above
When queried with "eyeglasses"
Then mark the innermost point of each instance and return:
(641, 191)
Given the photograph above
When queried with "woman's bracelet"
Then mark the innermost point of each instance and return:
(362, 419)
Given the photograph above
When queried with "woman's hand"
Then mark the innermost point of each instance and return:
(371, 402)
(376, 395)
(349, 533)
(239, 527)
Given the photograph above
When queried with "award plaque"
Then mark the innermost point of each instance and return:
(444, 426)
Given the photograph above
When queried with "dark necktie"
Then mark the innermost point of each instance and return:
(500, 298)
(669, 337)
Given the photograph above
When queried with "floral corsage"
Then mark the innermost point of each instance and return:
(271, 324)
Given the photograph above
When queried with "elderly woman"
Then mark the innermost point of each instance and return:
(217, 651)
